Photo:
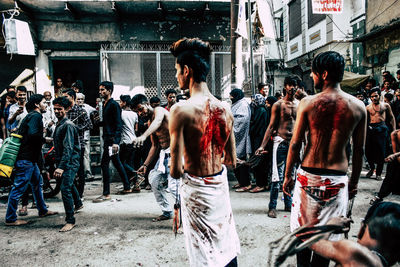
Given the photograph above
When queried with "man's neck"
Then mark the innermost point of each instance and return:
(200, 89)
(21, 103)
(331, 87)
(106, 99)
(289, 98)
(60, 119)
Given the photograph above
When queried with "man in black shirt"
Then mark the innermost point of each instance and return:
(66, 145)
(112, 128)
(26, 168)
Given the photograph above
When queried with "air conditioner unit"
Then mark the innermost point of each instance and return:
(18, 37)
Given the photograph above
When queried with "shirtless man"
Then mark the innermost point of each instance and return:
(331, 118)
(159, 178)
(391, 184)
(201, 131)
(377, 132)
(283, 116)
(378, 239)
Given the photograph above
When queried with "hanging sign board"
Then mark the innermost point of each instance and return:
(327, 6)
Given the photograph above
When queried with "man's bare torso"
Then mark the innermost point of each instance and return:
(161, 135)
(208, 124)
(377, 113)
(287, 116)
(331, 119)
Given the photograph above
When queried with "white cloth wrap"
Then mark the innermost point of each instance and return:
(208, 224)
(163, 153)
(317, 198)
(275, 175)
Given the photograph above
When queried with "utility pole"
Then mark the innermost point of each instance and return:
(236, 49)
(251, 71)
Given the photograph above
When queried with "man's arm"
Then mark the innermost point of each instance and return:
(118, 125)
(156, 123)
(358, 137)
(230, 148)
(176, 124)
(271, 127)
(68, 144)
(35, 129)
(14, 112)
(299, 130)
(85, 122)
(390, 115)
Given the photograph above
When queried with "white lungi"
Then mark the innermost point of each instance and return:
(208, 224)
(317, 198)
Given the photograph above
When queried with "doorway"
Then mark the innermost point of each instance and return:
(86, 70)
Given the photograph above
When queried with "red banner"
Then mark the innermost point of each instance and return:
(327, 6)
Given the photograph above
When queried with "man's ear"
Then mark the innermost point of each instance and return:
(324, 75)
(186, 70)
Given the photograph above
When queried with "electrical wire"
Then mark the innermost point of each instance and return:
(382, 12)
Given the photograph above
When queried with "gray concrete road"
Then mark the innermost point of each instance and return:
(121, 233)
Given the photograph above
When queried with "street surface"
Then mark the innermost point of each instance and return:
(120, 232)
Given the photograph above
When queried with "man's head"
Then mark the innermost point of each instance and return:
(70, 94)
(386, 85)
(192, 61)
(155, 101)
(278, 95)
(10, 88)
(263, 89)
(360, 95)
(380, 230)
(21, 94)
(105, 89)
(124, 101)
(170, 94)
(59, 83)
(47, 96)
(327, 68)
(388, 98)
(397, 93)
(11, 97)
(398, 75)
(36, 102)
(141, 106)
(371, 83)
(61, 106)
(77, 86)
(375, 95)
(290, 84)
(80, 99)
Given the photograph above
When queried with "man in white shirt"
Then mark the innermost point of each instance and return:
(127, 151)
(49, 118)
(18, 110)
(80, 99)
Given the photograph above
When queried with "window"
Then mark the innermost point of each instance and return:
(294, 19)
(313, 19)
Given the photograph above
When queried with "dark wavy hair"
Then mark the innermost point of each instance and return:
(138, 99)
(195, 54)
(33, 100)
(329, 61)
(62, 101)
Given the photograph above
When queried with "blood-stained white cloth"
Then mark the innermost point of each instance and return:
(317, 198)
(208, 224)
(275, 175)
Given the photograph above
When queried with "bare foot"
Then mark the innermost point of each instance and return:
(67, 227)
(16, 223)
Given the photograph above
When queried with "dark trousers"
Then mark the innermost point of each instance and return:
(306, 258)
(242, 173)
(105, 162)
(391, 183)
(80, 182)
(127, 154)
(69, 194)
(375, 145)
(262, 171)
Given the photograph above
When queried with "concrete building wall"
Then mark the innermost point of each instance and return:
(381, 12)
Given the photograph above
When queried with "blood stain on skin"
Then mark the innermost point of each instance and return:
(214, 136)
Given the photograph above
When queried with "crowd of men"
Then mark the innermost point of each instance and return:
(298, 143)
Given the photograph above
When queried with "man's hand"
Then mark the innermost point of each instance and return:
(260, 151)
(51, 123)
(342, 222)
(390, 158)
(48, 140)
(115, 149)
(352, 191)
(288, 186)
(58, 173)
(138, 142)
(20, 110)
(142, 170)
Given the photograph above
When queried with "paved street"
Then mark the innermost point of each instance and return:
(121, 233)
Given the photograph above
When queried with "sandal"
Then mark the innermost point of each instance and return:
(243, 189)
(124, 192)
(162, 217)
(236, 186)
(49, 213)
(101, 199)
(257, 189)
